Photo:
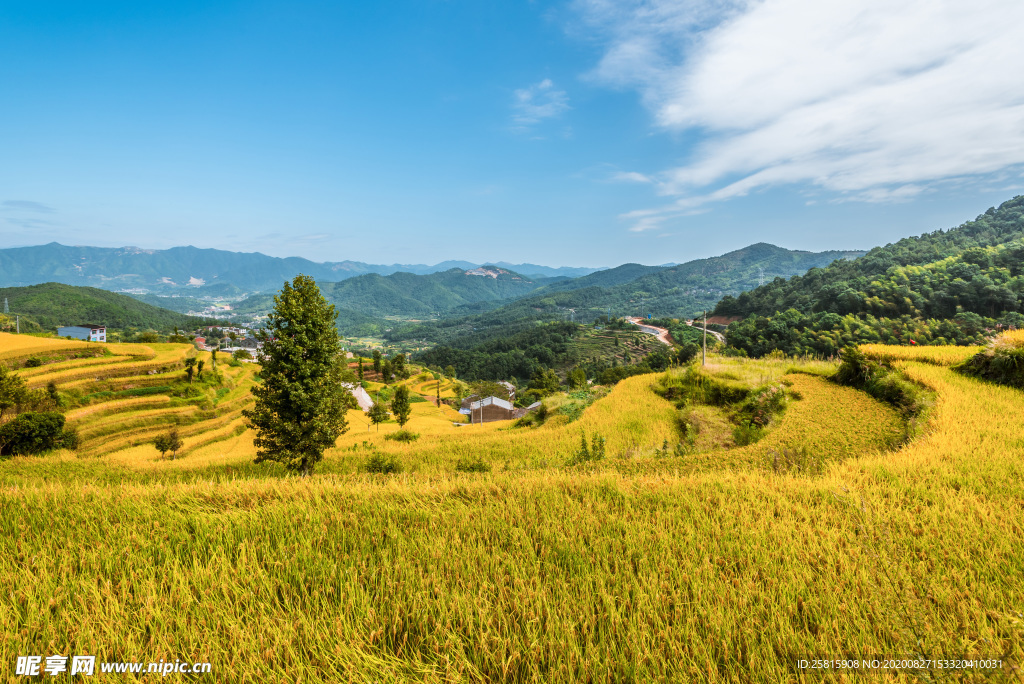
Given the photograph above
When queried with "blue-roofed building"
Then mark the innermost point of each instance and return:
(85, 331)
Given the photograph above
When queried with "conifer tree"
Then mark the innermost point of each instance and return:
(400, 405)
(300, 402)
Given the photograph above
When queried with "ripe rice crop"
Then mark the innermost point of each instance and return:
(943, 356)
(534, 571)
(17, 346)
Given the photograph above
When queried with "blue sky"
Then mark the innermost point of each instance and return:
(585, 132)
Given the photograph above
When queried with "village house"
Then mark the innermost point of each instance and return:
(85, 331)
(490, 409)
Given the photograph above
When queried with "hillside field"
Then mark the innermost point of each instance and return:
(672, 558)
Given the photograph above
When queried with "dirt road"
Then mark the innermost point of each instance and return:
(717, 335)
(661, 333)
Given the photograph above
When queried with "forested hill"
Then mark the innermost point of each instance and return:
(677, 291)
(407, 294)
(946, 287)
(54, 304)
(975, 267)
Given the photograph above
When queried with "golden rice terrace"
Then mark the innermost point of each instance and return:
(682, 555)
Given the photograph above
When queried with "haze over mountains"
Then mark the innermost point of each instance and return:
(205, 272)
(187, 279)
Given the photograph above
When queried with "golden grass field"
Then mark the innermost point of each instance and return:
(642, 567)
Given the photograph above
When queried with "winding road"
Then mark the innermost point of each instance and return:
(718, 336)
(661, 333)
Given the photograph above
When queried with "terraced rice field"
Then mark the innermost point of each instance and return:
(19, 347)
(943, 356)
(638, 568)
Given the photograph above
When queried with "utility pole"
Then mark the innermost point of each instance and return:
(704, 351)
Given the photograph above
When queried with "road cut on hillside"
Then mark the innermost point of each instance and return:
(660, 333)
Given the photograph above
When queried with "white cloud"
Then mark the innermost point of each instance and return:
(631, 177)
(875, 100)
(538, 102)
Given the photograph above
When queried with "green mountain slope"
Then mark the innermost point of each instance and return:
(941, 287)
(973, 267)
(678, 291)
(54, 304)
(410, 295)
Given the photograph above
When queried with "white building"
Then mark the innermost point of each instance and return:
(85, 331)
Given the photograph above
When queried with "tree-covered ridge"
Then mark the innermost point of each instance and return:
(975, 267)
(52, 304)
(523, 352)
(408, 294)
(675, 292)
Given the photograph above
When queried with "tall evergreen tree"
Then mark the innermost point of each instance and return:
(400, 405)
(300, 403)
(376, 360)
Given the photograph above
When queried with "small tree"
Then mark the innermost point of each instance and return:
(449, 372)
(400, 405)
(199, 369)
(577, 379)
(13, 390)
(190, 368)
(360, 370)
(399, 365)
(387, 371)
(376, 360)
(300, 402)
(213, 358)
(378, 413)
(169, 441)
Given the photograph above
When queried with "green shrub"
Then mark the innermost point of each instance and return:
(747, 434)
(31, 433)
(33, 362)
(382, 464)
(763, 405)
(1002, 362)
(880, 381)
(69, 439)
(402, 436)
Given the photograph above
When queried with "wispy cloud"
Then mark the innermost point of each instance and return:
(876, 101)
(26, 205)
(311, 238)
(29, 223)
(631, 177)
(536, 103)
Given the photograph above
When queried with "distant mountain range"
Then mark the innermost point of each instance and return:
(462, 298)
(630, 289)
(203, 273)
